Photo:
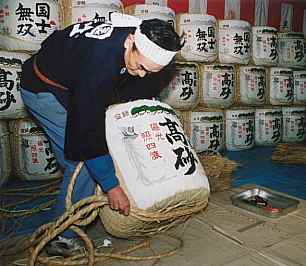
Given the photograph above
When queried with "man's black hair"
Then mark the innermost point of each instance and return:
(161, 33)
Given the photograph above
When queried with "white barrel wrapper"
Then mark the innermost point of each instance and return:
(234, 42)
(151, 151)
(264, 46)
(207, 130)
(253, 85)
(11, 104)
(239, 129)
(294, 123)
(27, 23)
(268, 126)
(183, 90)
(281, 86)
(200, 36)
(218, 85)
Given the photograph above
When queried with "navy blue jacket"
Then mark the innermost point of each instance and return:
(88, 58)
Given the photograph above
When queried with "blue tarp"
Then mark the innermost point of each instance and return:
(256, 168)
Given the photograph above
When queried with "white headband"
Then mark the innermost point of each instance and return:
(145, 46)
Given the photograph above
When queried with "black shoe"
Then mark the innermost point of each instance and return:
(62, 246)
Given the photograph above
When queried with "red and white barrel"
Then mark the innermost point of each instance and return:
(239, 128)
(234, 42)
(89, 10)
(252, 85)
(294, 118)
(280, 86)
(292, 49)
(144, 11)
(264, 46)
(206, 129)
(11, 104)
(27, 23)
(200, 36)
(299, 81)
(218, 85)
(33, 157)
(183, 90)
(268, 125)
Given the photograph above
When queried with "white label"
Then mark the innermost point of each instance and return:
(207, 131)
(30, 20)
(182, 91)
(155, 158)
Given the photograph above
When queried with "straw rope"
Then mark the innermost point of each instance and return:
(83, 213)
(290, 153)
(218, 169)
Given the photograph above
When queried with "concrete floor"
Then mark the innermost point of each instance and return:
(222, 235)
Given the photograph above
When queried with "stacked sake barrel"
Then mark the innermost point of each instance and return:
(254, 76)
(75, 11)
(23, 26)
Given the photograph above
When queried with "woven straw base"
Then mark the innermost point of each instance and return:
(161, 217)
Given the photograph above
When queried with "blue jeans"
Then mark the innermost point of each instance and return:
(52, 117)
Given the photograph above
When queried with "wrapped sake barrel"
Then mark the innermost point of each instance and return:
(264, 46)
(294, 123)
(251, 87)
(76, 11)
(218, 85)
(292, 49)
(205, 129)
(280, 86)
(239, 128)
(27, 23)
(5, 154)
(11, 104)
(234, 42)
(183, 90)
(156, 166)
(200, 37)
(268, 125)
(299, 91)
(144, 11)
(33, 158)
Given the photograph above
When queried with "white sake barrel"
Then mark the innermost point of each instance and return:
(200, 36)
(144, 11)
(294, 123)
(268, 125)
(155, 163)
(75, 11)
(218, 85)
(264, 46)
(234, 42)
(27, 23)
(292, 49)
(5, 154)
(33, 158)
(239, 128)
(251, 85)
(299, 92)
(11, 104)
(183, 90)
(280, 86)
(205, 129)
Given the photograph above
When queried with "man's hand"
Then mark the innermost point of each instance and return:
(118, 200)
